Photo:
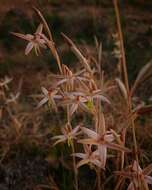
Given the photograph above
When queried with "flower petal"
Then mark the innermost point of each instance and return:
(43, 101)
(28, 48)
(23, 36)
(82, 162)
(90, 133)
(136, 167)
(109, 138)
(58, 137)
(148, 179)
(131, 186)
(79, 155)
(75, 130)
(73, 108)
(59, 141)
(39, 29)
(97, 163)
(44, 90)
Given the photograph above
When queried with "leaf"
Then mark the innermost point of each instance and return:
(120, 184)
(88, 141)
(44, 22)
(144, 109)
(124, 174)
(117, 147)
(144, 73)
(76, 51)
(148, 169)
(122, 88)
(17, 123)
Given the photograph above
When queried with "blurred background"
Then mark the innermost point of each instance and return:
(26, 165)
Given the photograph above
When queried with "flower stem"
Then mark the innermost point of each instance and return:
(125, 73)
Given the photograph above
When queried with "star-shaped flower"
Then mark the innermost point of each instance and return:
(89, 157)
(5, 82)
(75, 100)
(103, 142)
(49, 96)
(34, 41)
(69, 77)
(13, 98)
(68, 135)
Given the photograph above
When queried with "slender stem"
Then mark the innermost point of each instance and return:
(124, 66)
(44, 22)
(73, 150)
(50, 42)
(98, 178)
(133, 133)
(75, 168)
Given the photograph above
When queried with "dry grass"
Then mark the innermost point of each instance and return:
(112, 106)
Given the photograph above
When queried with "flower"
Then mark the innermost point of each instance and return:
(70, 78)
(49, 96)
(139, 178)
(5, 82)
(103, 142)
(35, 40)
(13, 98)
(68, 135)
(92, 92)
(89, 157)
(75, 100)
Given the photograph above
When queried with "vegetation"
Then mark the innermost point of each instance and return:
(88, 128)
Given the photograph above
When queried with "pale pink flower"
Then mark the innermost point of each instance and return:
(34, 41)
(103, 142)
(69, 77)
(75, 100)
(89, 157)
(4, 82)
(49, 96)
(97, 94)
(68, 135)
(13, 98)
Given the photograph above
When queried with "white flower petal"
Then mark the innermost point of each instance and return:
(29, 47)
(131, 186)
(90, 133)
(79, 155)
(43, 101)
(148, 179)
(44, 90)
